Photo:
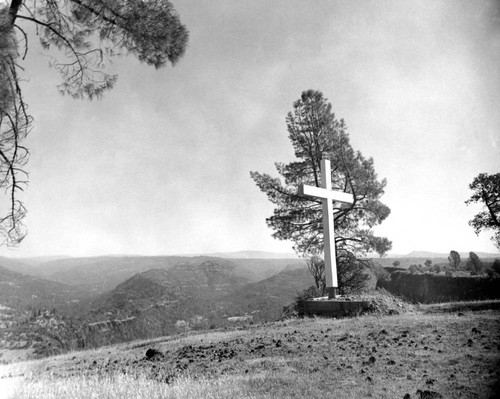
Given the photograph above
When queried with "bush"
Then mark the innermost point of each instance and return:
(496, 266)
(436, 268)
(292, 310)
(352, 273)
(380, 272)
(413, 269)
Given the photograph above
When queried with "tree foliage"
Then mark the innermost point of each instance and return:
(86, 34)
(486, 191)
(496, 266)
(315, 133)
(352, 272)
(454, 259)
(474, 263)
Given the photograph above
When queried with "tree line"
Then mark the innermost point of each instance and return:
(473, 264)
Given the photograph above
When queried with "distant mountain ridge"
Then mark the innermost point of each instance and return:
(253, 255)
(103, 273)
(427, 254)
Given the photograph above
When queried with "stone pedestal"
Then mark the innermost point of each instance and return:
(332, 307)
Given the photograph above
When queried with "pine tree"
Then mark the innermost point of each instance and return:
(315, 133)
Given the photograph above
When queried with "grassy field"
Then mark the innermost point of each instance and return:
(414, 355)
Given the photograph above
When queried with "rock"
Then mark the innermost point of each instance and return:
(150, 353)
(407, 396)
(371, 360)
(429, 394)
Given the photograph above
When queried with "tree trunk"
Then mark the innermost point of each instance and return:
(13, 10)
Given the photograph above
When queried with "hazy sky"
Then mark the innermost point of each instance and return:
(161, 164)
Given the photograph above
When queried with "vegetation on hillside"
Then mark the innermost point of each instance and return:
(405, 356)
(39, 317)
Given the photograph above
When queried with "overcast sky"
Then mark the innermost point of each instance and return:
(161, 164)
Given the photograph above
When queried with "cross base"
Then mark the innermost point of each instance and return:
(332, 292)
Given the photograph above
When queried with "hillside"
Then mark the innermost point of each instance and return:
(21, 291)
(19, 266)
(161, 302)
(189, 296)
(100, 274)
(114, 303)
(265, 299)
(28, 325)
(409, 356)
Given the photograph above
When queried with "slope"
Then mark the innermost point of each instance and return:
(159, 302)
(20, 291)
(101, 274)
(404, 356)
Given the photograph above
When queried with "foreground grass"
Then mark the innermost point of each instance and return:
(457, 356)
(125, 386)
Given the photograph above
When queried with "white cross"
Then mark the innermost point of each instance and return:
(327, 195)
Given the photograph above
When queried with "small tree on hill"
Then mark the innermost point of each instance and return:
(454, 259)
(316, 267)
(486, 190)
(315, 133)
(474, 264)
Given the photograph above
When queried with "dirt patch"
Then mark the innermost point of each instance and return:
(381, 302)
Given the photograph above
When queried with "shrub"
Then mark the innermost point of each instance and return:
(292, 310)
(413, 269)
(380, 272)
(496, 266)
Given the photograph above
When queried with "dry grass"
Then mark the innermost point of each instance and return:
(375, 357)
(124, 386)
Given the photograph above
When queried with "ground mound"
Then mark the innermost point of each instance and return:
(381, 302)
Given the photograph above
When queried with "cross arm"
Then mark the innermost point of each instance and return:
(319, 192)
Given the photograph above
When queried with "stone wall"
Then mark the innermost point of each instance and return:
(432, 288)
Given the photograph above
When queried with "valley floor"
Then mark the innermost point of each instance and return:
(416, 355)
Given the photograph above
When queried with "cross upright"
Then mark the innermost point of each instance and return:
(327, 196)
